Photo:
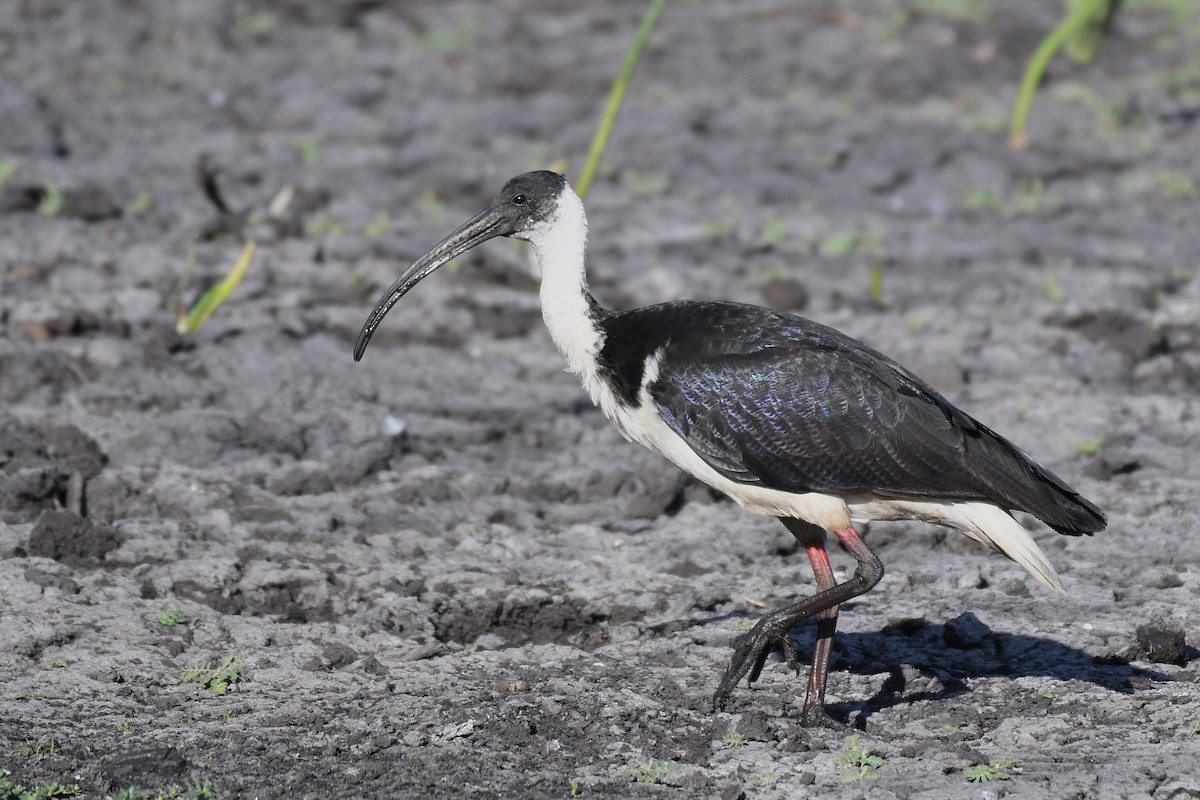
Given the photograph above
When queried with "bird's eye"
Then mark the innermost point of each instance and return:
(519, 200)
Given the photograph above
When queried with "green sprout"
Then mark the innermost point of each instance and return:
(139, 205)
(216, 679)
(380, 225)
(645, 184)
(1054, 291)
(1177, 187)
(876, 291)
(321, 225)
(170, 617)
(44, 746)
(1083, 25)
(217, 295)
(308, 148)
(448, 40)
(52, 201)
(996, 770)
(956, 10)
(644, 771)
(47, 791)
(846, 242)
(616, 95)
(734, 739)
(863, 764)
(1027, 197)
(254, 24)
(774, 231)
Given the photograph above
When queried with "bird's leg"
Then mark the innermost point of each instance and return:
(818, 673)
(750, 651)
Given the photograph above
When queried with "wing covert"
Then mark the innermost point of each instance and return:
(810, 418)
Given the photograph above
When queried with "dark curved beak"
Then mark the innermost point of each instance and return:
(488, 225)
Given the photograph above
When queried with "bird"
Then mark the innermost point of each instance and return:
(788, 417)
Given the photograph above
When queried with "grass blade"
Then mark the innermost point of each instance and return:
(1078, 17)
(616, 96)
(218, 294)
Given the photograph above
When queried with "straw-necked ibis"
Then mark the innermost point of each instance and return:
(788, 417)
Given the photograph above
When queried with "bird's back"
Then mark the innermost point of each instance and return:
(780, 401)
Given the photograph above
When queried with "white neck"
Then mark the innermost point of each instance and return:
(559, 244)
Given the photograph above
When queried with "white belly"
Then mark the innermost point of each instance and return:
(646, 426)
(981, 521)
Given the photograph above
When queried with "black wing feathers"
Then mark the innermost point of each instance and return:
(777, 400)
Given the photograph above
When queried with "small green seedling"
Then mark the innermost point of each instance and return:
(321, 225)
(575, 787)
(47, 791)
(1176, 186)
(193, 789)
(652, 771)
(774, 231)
(734, 739)
(170, 617)
(52, 201)
(616, 95)
(217, 295)
(7, 168)
(455, 39)
(308, 148)
(876, 291)
(741, 625)
(996, 770)
(840, 243)
(138, 205)
(255, 24)
(44, 746)
(1055, 293)
(1090, 447)
(1083, 26)
(863, 764)
(1026, 198)
(954, 10)
(218, 679)
(380, 225)
(645, 184)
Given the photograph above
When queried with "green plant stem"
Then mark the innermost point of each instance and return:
(1078, 17)
(617, 95)
(218, 294)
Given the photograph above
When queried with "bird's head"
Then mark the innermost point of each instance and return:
(525, 208)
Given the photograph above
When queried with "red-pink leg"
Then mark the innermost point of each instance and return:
(818, 673)
(751, 650)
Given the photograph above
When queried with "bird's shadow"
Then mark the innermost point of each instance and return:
(947, 655)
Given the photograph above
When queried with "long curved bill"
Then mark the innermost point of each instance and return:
(486, 226)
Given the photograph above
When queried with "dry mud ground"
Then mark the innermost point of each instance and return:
(441, 571)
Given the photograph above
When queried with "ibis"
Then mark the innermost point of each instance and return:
(788, 417)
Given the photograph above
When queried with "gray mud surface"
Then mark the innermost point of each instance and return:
(443, 573)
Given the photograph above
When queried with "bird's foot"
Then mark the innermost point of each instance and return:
(750, 652)
(815, 716)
